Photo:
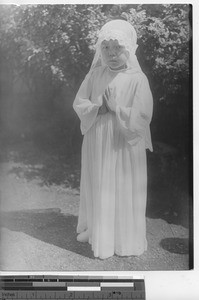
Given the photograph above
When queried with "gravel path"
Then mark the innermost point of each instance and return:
(38, 226)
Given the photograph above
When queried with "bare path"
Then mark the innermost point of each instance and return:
(38, 226)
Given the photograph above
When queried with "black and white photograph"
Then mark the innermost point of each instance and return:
(96, 137)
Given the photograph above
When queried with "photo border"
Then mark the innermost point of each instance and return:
(160, 285)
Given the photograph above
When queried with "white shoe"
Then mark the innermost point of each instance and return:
(83, 237)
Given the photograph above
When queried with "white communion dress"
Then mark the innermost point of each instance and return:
(113, 189)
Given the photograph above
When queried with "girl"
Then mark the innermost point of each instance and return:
(114, 104)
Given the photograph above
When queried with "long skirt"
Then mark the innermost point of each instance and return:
(113, 191)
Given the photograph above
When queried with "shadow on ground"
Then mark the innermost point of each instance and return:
(169, 180)
(175, 245)
(49, 226)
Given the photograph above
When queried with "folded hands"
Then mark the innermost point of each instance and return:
(108, 102)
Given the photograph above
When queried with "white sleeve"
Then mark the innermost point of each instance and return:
(134, 121)
(85, 109)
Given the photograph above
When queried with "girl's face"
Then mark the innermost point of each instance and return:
(114, 55)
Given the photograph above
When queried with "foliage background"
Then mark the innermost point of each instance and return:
(46, 50)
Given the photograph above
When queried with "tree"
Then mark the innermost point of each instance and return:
(52, 46)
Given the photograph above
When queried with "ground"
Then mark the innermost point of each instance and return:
(39, 208)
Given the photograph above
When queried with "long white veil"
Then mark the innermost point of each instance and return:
(126, 35)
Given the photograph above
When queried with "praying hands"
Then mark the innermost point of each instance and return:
(108, 102)
(109, 96)
(103, 108)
